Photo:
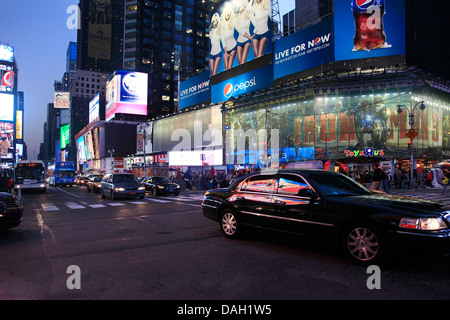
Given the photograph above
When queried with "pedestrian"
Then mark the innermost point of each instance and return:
(429, 178)
(377, 178)
(445, 181)
(386, 179)
(3, 182)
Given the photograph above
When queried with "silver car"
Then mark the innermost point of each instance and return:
(117, 185)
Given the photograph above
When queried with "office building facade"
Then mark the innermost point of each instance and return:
(168, 40)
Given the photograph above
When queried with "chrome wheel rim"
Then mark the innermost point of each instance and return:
(229, 224)
(362, 244)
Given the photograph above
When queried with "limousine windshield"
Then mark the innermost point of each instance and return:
(335, 184)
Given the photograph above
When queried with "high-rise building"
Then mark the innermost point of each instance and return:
(71, 65)
(306, 12)
(100, 37)
(168, 40)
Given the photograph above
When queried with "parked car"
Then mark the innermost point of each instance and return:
(332, 206)
(117, 185)
(11, 211)
(94, 183)
(160, 185)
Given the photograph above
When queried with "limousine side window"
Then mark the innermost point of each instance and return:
(258, 183)
(291, 184)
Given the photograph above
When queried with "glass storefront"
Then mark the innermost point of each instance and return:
(349, 127)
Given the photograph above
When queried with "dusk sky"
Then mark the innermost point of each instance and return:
(38, 31)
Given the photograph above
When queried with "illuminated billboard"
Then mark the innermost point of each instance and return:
(245, 83)
(240, 31)
(369, 29)
(94, 108)
(6, 53)
(65, 136)
(126, 92)
(61, 100)
(6, 140)
(6, 78)
(305, 49)
(7, 107)
(196, 158)
(195, 90)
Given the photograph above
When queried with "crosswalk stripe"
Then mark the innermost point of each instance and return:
(49, 207)
(115, 204)
(97, 205)
(159, 199)
(74, 205)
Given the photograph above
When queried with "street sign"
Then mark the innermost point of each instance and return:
(412, 134)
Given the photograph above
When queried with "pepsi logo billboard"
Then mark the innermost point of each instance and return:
(305, 49)
(244, 83)
(369, 28)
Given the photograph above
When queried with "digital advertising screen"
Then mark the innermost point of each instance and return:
(369, 28)
(240, 31)
(65, 136)
(245, 83)
(195, 90)
(7, 140)
(126, 92)
(7, 78)
(7, 107)
(305, 49)
(6, 53)
(94, 108)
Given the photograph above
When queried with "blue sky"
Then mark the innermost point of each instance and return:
(37, 29)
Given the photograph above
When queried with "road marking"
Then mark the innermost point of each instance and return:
(157, 200)
(115, 204)
(138, 202)
(49, 207)
(72, 194)
(73, 205)
(97, 205)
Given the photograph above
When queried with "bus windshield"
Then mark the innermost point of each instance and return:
(29, 171)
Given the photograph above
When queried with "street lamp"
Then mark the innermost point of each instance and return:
(411, 123)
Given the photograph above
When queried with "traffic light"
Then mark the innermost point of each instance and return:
(409, 144)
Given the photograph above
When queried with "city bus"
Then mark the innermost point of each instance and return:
(61, 173)
(29, 175)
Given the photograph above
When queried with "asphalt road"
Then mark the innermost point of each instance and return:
(75, 245)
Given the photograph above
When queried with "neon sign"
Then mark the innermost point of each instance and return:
(368, 152)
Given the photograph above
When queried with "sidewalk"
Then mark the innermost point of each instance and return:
(434, 194)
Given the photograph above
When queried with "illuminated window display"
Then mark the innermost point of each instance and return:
(339, 125)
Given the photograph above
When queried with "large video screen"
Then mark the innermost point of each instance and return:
(7, 107)
(126, 92)
(369, 28)
(305, 49)
(7, 78)
(195, 90)
(240, 31)
(6, 53)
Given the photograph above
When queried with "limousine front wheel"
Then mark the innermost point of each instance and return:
(229, 224)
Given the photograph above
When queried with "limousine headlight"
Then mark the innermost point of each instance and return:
(119, 189)
(423, 223)
(141, 188)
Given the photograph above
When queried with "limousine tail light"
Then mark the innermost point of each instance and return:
(423, 223)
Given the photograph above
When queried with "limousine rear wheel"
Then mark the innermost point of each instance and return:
(229, 224)
(364, 244)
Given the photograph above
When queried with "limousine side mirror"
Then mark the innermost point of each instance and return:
(307, 193)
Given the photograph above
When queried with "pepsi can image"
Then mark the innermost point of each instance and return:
(369, 30)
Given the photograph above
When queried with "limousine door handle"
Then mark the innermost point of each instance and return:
(280, 202)
(240, 198)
